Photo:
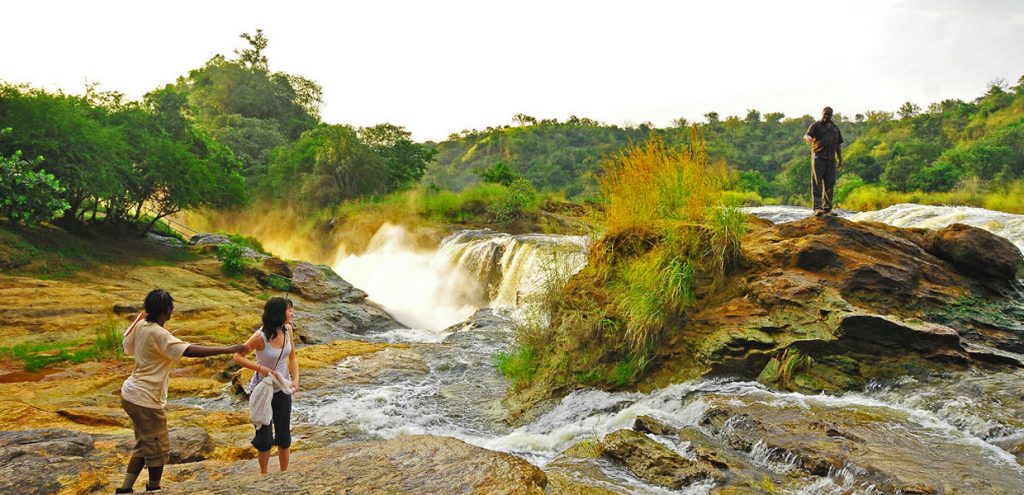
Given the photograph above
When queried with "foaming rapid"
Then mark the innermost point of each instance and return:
(913, 420)
(432, 289)
(1002, 224)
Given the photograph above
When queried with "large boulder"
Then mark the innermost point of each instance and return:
(977, 252)
(654, 462)
(46, 461)
(320, 283)
(191, 444)
(407, 464)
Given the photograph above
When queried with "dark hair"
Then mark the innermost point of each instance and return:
(827, 110)
(158, 302)
(275, 312)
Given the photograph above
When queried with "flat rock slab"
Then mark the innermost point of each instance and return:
(407, 464)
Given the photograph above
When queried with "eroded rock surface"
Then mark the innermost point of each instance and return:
(419, 464)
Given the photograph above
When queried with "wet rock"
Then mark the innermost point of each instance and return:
(844, 293)
(418, 464)
(484, 327)
(647, 424)
(740, 431)
(96, 416)
(816, 256)
(207, 238)
(977, 252)
(277, 267)
(327, 322)
(123, 309)
(320, 283)
(895, 333)
(163, 240)
(877, 446)
(652, 461)
(46, 461)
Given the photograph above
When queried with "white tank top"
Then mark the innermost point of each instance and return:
(270, 356)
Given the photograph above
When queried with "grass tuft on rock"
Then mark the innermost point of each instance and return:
(667, 237)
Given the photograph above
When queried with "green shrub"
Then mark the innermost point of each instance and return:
(518, 197)
(231, 255)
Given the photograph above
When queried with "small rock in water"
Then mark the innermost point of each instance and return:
(653, 462)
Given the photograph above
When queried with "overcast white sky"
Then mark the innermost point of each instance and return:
(440, 67)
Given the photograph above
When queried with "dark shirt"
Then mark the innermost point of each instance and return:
(826, 139)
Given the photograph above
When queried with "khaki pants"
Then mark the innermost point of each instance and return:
(151, 440)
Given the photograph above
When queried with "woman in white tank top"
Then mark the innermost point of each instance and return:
(275, 353)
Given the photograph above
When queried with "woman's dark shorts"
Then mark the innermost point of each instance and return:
(279, 431)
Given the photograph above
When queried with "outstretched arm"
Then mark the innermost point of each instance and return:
(254, 343)
(209, 350)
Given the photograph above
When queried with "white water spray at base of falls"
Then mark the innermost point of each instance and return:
(411, 283)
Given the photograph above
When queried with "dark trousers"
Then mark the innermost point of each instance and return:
(281, 405)
(823, 182)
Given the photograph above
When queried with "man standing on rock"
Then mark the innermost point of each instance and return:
(826, 144)
(144, 393)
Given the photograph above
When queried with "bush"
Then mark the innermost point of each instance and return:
(232, 256)
(518, 197)
(27, 195)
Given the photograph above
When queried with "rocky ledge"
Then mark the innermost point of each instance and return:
(826, 303)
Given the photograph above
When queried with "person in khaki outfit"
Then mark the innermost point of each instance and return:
(144, 393)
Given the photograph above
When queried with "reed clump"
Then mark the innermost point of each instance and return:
(668, 237)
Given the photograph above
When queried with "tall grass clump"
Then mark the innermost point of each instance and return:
(666, 239)
(645, 185)
(674, 197)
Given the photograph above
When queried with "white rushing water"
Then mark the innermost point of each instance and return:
(1002, 224)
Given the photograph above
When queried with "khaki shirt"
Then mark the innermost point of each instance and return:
(155, 351)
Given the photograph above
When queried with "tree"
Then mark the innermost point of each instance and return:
(404, 160)
(499, 173)
(253, 58)
(908, 110)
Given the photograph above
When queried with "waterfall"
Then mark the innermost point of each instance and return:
(513, 268)
(432, 289)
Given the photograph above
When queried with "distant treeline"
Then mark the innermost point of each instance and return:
(934, 149)
(233, 131)
(227, 132)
